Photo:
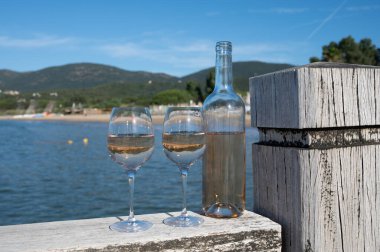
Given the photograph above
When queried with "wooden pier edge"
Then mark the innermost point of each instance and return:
(316, 167)
(250, 232)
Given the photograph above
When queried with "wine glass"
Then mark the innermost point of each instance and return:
(130, 144)
(183, 140)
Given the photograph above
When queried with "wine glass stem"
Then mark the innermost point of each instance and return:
(184, 188)
(131, 182)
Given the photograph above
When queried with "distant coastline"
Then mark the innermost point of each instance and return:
(74, 118)
(157, 119)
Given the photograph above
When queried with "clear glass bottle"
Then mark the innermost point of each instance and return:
(223, 192)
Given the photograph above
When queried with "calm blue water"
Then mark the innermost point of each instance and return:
(42, 178)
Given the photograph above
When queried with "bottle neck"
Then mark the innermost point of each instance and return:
(223, 70)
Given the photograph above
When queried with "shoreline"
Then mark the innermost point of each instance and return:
(157, 119)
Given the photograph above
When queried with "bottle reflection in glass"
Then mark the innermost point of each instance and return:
(130, 144)
(183, 140)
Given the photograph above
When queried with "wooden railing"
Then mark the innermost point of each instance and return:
(317, 166)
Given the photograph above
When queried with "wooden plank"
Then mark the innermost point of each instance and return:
(331, 199)
(250, 232)
(377, 201)
(316, 96)
(337, 88)
(369, 189)
(270, 98)
(376, 91)
(277, 186)
(366, 96)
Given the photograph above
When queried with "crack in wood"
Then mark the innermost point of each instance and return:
(344, 112)
(319, 138)
(339, 202)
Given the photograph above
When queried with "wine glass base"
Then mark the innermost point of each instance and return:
(183, 221)
(131, 227)
(223, 210)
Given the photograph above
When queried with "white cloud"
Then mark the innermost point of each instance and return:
(198, 46)
(280, 10)
(196, 54)
(260, 48)
(289, 10)
(125, 50)
(362, 8)
(268, 52)
(40, 41)
(187, 56)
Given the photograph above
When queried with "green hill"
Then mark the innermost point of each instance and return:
(103, 86)
(241, 73)
(88, 75)
(6, 77)
(74, 76)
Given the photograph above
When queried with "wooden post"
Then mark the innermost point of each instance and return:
(316, 167)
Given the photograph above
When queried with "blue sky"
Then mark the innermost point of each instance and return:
(175, 37)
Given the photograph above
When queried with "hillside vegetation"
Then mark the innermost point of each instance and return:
(102, 86)
(242, 71)
(74, 76)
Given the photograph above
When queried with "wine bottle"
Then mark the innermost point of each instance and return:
(223, 185)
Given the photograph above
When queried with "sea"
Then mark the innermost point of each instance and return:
(49, 172)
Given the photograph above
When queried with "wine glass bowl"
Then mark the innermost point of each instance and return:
(130, 151)
(183, 137)
(130, 142)
(184, 142)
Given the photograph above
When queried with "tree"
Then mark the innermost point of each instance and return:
(77, 98)
(348, 51)
(171, 96)
(331, 53)
(108, 104)
(210, 83)
(368, 49)
(314, 59)
(8, 102)
(195, 91)
(200, 96)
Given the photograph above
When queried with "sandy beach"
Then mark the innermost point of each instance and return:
(157, 119)
(73, 118)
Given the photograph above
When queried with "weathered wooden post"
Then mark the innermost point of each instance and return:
(317, 166)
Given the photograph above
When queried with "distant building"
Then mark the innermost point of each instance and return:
(11, 92)
(248, 103)
(161, 109)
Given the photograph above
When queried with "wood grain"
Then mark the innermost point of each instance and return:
(316, 96)
(250, 232)
(325, 199)
(316, 166)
